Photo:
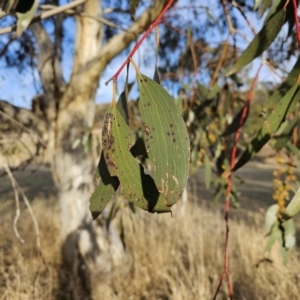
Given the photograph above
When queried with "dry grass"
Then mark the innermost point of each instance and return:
(166, 258)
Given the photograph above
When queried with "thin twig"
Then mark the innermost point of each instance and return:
(296, 21)
(138, 44)
(220, 63)
(13, 184)
(17, 189)
(226, 273)
(240, 9)
(231, 28)
(46, 14)
(32, 215)
(194, 55)
(23, 127)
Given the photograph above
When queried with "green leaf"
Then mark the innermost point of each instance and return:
(263, 4)
(106, 186)
(284, 133)
(136, 186)
(293, 149)
(272, 239)
(275, 7)
(122, 107)
(261, 41)
(208, 171)
(293, 207)
(284, 233)
(284, 87)
(156, 75)
(165, 137)
(278, 5)
(271, 217)
(269, 127)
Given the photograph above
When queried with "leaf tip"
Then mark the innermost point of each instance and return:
(231, 71)
(95, 214)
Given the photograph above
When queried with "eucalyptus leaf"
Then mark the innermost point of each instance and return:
(284, 133)
(261, 41)
(165, 137)
(283, 88)
(269, 127)
(136, 186)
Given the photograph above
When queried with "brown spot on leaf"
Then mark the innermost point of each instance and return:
(146, 128)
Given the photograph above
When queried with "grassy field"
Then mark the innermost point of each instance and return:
(165, 258)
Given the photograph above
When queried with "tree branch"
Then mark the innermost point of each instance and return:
(74, 12)
(121, 41)
(16, 193)
(45, 15)
(94, 66)
(24, 118)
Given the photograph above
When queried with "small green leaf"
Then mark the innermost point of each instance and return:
(263, 4)
(106, 186)
(293, 149)
(261, 41)
(271, 217)
(257, 4)
(283, 233)
(272, 239)
(283, 88)
(122, 107)
(284, 133)
(165, 137)
(156, 75)
(269, 127)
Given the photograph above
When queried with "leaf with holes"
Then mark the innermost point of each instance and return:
(269, 127)
(166, 138)
(136, 186)
(261, 41)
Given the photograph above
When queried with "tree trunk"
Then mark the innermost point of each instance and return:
(70, 112)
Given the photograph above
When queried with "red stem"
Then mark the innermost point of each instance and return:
(138, 44)
(229, 186)
(296, 21)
